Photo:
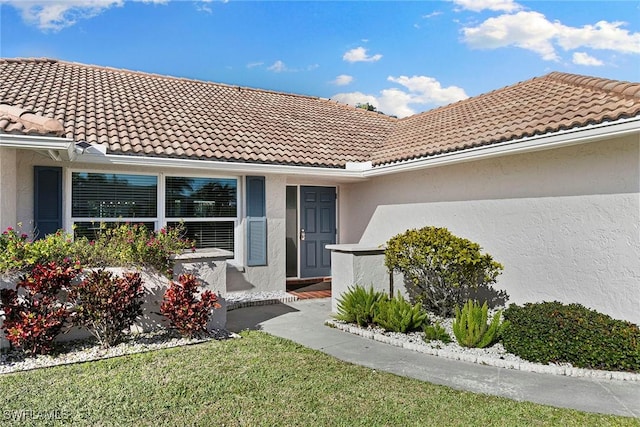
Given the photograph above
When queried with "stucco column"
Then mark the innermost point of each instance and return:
(8, 189)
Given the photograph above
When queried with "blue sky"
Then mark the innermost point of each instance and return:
(402, 57)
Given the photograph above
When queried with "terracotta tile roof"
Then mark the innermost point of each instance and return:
(133, 113)
(551, 103)
(136, 113)
(19, 121)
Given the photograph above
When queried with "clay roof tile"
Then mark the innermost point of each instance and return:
(135, 112)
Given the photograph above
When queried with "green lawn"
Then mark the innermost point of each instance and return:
(257, 380)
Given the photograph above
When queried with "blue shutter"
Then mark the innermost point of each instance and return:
(256, 221)
(47, 204)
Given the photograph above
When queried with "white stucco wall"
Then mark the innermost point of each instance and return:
(271, 277)
(563, 222)
(8, 217)
(242, 278)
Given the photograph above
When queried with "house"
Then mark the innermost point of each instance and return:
(544, 174)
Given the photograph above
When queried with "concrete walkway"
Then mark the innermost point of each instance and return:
(303, 322)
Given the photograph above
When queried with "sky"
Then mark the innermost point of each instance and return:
(403, 57)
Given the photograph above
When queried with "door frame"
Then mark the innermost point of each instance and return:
(299, 219)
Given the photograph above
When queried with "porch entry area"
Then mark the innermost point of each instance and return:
(310, 225)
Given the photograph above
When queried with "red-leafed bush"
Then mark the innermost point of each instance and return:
(107, 305)
(187, 313)
(33, 318)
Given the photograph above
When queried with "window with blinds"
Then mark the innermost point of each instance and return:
(207, 207)
(116, 196)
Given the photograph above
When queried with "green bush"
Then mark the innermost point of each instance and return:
(132, 245)
(436, 332)
(125, 245)
(439, 268)
(358, 305)
(398, 315)
(553, 332)
(471, 328)
(19, 253)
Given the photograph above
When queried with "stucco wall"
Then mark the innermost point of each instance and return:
(563, 222)
(8, 191)
(271, 277)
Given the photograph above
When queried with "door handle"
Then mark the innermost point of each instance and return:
(302, 234)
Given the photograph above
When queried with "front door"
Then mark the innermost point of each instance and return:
(317, 229)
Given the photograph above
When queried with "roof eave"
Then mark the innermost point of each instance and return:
(582, 135)
(59, 149)
(241, 168)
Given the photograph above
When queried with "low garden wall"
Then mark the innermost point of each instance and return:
(355, 264)
(209, 266)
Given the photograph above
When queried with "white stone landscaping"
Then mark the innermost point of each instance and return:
(495, 355)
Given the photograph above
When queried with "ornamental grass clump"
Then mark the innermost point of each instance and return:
(439, 268)
(107, 305)
(358, 305)
(188, 313)
(34, 313)
(436, 332)
(398, 315)
(470, 326)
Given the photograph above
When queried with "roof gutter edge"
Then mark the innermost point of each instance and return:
(517, 146)
(208, 165)
(58, 148)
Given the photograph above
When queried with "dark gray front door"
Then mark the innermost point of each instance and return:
(317, 229)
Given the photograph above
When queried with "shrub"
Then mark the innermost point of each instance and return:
(122, 245)
(398, 315)
(187, 313)
(553, 332)
(18, 252)
(470, 326)
(107, 305)
(358, 305)
(439, 268)
(436, 332)
(33, 318)
(133, 245)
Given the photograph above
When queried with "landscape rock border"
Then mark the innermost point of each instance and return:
(486, 357)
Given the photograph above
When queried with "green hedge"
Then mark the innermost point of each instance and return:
(552, 332)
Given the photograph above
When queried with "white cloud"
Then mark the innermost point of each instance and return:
(527, 30)
(427, 90)
(533, 31)
(432, 15)
(603, 35)
(480, 5)
(421, 93)
(254, 64)
(54, 15)
(278, 67)
(342, 80)
(582, 58)
(359, 54)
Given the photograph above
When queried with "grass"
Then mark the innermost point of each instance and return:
(257, 380)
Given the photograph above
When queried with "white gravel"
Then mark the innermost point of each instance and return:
(88, 350)
(495, 355)
(247, 299)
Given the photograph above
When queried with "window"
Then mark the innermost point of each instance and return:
(207, 206)
(112, 198)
